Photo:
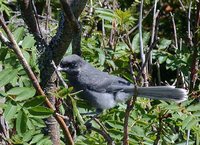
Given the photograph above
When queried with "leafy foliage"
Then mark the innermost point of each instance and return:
(105, 46)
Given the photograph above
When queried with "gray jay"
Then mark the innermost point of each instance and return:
(104, 91)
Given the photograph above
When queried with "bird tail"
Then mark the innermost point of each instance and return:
(163, 93)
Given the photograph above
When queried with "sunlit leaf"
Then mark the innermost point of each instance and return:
(38, 100)
(21, 122)
(22, 93)
(7, 75)
(40, 111)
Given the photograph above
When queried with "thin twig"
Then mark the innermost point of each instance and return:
(136, 27)
(140, 33)
(175, 33)
(129, 108)
(147, 56)
(188, 137)
(158, 73)
(195, 60)
(47, 17)
(189, 29)
(29, 18)
(106, 135)
(34, 80)
(36, 18)
(103, 33)
(155, 14)
(59, 75)
(182, 5)
(5, 40)
(160, 127)
(130, 105)
(142, 55)
(103, 134)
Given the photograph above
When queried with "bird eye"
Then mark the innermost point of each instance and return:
(72, 65)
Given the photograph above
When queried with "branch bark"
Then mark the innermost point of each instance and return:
(68, 31)
(195, 60)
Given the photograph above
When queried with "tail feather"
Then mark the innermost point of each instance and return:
(163, 93)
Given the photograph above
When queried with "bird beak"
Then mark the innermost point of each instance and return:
(60, 68)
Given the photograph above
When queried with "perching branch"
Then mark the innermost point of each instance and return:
(130, 105)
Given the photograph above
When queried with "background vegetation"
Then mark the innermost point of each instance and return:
(112, 32)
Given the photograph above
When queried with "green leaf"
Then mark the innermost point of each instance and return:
(197, 114)
(21, 122)
(195, 107)
(102, 57)
(41, 112)
(36, 138)
(136, 43)
(26, 55)
(162, 59)
(172, 106)
(139, 131)
(36, 101)
(38, 122)
(27, 136)
(164, 43)
(44, 141)
(3, 94)
(187, 121)
(105, 14)
(7, 75)
(10, 111)
(111, 64)
(3, 53)
(18, 34)
(22, 93)
(145, 39)
(192, 123)
(28, 42)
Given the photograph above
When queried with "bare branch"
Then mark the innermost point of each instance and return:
(66, 33)
(189, 25)
(181, 3)
(175, 33)
(59, 75)
(5, 40)
(29, 18)
(159, 130)
(155, 14)
(135, 28)
(188, 137)
(69, 16)
(104, 132)
(195, 55)
(130, 105)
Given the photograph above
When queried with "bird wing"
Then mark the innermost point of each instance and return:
(96, 80)
(109, 83)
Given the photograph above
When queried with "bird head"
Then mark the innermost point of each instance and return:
(71, 64)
